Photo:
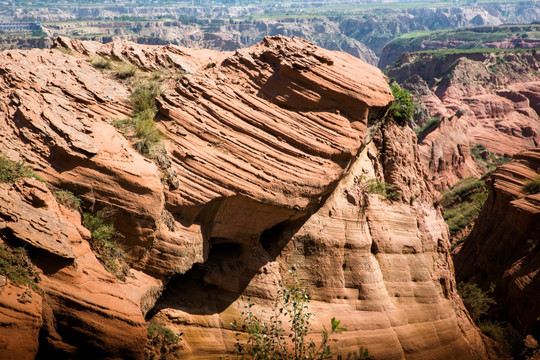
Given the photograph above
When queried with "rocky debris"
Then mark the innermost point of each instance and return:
(265, 144)
(482, 99)
(502, 248)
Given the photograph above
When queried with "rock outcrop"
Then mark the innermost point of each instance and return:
(267, 163)
(503, 247)
(486, 101)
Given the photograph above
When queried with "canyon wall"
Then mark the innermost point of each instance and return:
(267, 163)
(502, 248)
(482, 100)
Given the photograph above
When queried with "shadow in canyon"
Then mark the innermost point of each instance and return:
(211, 287)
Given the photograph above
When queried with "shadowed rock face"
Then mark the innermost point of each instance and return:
(503, 246)
(271, 149)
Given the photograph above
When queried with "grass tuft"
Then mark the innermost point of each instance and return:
(104, 244)
(17, 267)
(125, 70)
(100, 62)
(68, 199)
(532, 186)
(11, 171)
(389, 191)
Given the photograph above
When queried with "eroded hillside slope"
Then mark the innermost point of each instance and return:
(268, 160)
(484, 103)
(503, 247)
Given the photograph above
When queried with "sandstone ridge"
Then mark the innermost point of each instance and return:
(266, 162)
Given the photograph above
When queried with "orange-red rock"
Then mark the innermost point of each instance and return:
(268, 154)
(488, 99)
(503, 246)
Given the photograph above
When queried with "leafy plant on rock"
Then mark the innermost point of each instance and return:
(162, 342)
(402, 109)
(285, 335)
(389, 191)
(476, 301)
(532, 186)
(17, 267)
(68, 199)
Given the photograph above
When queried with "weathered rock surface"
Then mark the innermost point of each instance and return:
(83, 310)
(503, 247)
(268, 154)
(487, 99)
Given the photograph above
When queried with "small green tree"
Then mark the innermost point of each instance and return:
(269, 340)
(402, 109)
(476, 301)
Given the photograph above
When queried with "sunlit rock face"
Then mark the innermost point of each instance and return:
(270, 153)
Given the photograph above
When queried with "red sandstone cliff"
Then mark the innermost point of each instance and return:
(268, 151)
(488, 99)
(503, 247)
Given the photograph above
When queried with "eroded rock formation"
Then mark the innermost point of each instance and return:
(503, 247)
(268, 157)
(488, 99)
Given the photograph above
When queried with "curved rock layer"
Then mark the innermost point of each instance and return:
(487, 99)
(265, 164)
(503, 247)
(381, 267)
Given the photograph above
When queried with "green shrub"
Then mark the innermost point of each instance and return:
(463, 202)
(476, 301)
(389, 191)
(162, 342)
(462, 190)
(17, 267)
(125, 70)
(11, 171)
(402, 109)
(509, 339)
(270, 340)
(68, 199)
(141, 127)
(100, 63)
(104, 244)
(532, 186)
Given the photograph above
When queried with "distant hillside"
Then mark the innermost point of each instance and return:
(494, 37)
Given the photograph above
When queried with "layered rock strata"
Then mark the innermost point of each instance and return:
(503, 247)
(267, 162)
(484, 101)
